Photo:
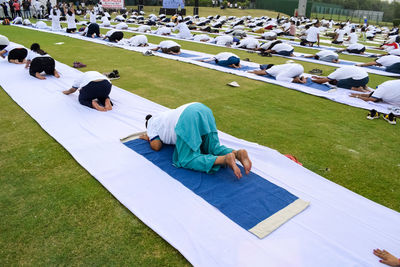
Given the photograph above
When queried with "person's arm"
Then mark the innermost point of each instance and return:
(2, 52)
(155, 144)
(320, 80)
(70, 91)
(336, 36)
(372, 63)
(318, 39)
(365, 97)
(207, 60)
(28, 63)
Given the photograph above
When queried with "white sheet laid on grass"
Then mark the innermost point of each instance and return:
(340, 228)
(339, 95)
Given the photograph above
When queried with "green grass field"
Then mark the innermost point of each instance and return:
(55, 213)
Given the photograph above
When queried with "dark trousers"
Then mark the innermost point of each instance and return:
(395, 68)
(95, 90)
(116, 36)
(40, 64)
(348, 83)
(18, 54)
(93, 28)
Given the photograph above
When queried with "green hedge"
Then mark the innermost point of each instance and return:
(396, 22)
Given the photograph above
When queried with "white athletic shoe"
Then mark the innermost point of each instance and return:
(233, 84)
(148, 53)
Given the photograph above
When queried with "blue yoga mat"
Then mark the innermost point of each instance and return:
(248, 201)
(309, 83)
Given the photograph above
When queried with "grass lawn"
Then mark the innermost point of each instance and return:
(54, 212)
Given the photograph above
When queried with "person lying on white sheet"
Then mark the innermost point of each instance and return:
(94, 90)
(202, 38)
(269, 36)
(39, 61)
(353, 49)
(248, 43)
(138, 40)
(192, 129)
(390, 62)
(387, 92)
(144, 28)
(325, 55)
(225, 59)
(163, 31)
(41, 25)
(225, 40)
(121, 26)
(184, 32)
(291, 72)
(114, 36)
(16, 53)
(348, 77)
(277, 47)
(168, 47)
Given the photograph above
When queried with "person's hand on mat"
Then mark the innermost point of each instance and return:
(386, 257)
(144, 137)
(69, 91)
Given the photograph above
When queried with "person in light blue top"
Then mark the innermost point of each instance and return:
(192, 129)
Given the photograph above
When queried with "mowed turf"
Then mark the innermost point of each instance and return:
(54, 212)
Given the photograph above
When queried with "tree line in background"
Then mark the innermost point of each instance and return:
(391, 10)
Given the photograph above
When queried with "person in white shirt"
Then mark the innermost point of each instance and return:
(269, 36)
(94, 91)
(353, 37)
(121, 26)
(224, 40)
(114, 36)
(353, 49)
(55, 19)
(225, 59)
(291, 72)
(248, 43)
(202, 38)
(390, 62)
(168, 47)
(105, 22)
(92, 16)
(388, 92)
(325, 55)
(138, 40)
(163, 31)
(70, 16)
(339, 38)
(39, 61)
(144, 28)
(184, 32)
(348, 77)
(16, 53)
(193, 131)
(312, 35)
(277, 47)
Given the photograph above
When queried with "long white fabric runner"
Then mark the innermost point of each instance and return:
(340, 228)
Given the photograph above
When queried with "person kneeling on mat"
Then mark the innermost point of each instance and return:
(290, 72)
(390, 62)
(92, 30)
(348, 77)
(114, 36)
(168, 47)
(16, 53)
(38, 61)
(353, 49)
(225, 59)
(325, 55)
(192, 129)
(387, 92)
(94, 92)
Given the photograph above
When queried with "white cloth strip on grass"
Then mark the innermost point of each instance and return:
(340, 228)
(300, 56)
(339, 95)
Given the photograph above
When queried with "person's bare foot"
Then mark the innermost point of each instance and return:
(243, 157)
(37, 75)
(96, 106)
(386, 257)
(108, 105)
(56, 74)
(230, 160)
